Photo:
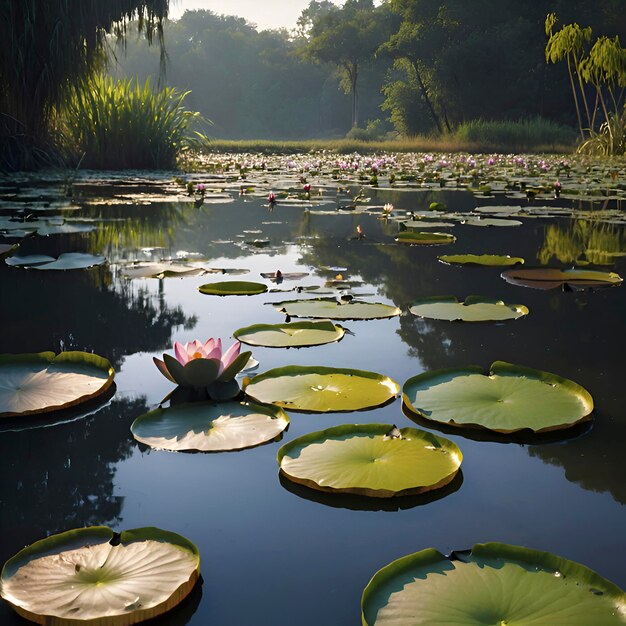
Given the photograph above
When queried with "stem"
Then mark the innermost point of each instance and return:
(571, 80)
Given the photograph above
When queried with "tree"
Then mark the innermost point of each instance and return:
(347, 37)
(46, 46)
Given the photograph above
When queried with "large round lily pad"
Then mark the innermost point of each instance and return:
(210, 427)
(489, 260)
(96, 576)
(295, 335)
(330, 308)
(493, 583)
(427, 239)
(508, 399)
(375, 460)
(322, 389)
(233, 288)
(32, 384)
(474, 309)
(550, 278)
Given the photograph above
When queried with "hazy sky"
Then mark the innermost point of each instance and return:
(264, 13)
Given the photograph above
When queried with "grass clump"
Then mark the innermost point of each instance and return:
(127, 125)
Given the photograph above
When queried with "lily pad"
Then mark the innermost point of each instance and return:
(164, 269)
(95, 575)
(508, 399)
(474, 309)
(493, 583)
(295, 335)
(210, 427)
(551, 278)
(491, 221)
(375, 460)
(233, 288)
(330, 308)
(65, 261)
(32, 384)
(322, 389)
(280, 276)
(428, 239)
(490, 260)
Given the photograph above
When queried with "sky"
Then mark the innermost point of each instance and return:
(264, 13)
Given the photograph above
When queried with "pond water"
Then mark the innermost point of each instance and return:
(272, 552)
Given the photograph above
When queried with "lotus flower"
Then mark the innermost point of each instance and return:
(271, 197)
(388, 208)
(200, 365)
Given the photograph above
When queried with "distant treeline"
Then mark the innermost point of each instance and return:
(409, 66)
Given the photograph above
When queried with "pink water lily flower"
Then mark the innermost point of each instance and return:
(200, 364)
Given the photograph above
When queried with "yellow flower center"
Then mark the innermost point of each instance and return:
(197, 355)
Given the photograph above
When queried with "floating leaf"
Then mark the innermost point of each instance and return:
(550, 278)
(95, 575)
(499, 210)
(66, 261)
(164, 269)
(210, 427)
(426, 224)
(429, 239)
(364, 459)
(280, 276)
(295, 335)
(31, 384)
(330, 308)
(7, 248)
(491, 221)
(490, 260)
(493, 583)
(508, 399)
(233, 288)
(474, 309)
(322, 389)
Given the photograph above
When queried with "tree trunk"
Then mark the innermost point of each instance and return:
(426, 97)
(571, 79)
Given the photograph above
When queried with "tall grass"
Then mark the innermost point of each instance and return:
(127, 125)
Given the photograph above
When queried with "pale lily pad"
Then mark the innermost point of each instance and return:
(492, 583)
(330, 308)
(375, 460)
(95, 575)
(280, 276)
(322, 389)
(410, 224)
(66, 261)
(209, 427)
(499, 210)
(550, 278)
(32, 384)
(427, 239)
(233, 288)
(474, 309)
(491, 221)
(164, 269)
(294, 335)
(510, 398)
(489, 260)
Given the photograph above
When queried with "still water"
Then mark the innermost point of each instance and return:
(273, 553)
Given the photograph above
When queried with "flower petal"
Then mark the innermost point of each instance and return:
(231, 354)
(163, 368)
(181, 352)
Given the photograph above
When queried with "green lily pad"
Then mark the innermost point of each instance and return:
(491, 221)
(551, 278)
(428, 239)
(95, 575)
(375, 460)
(322, 389)
(295, 335)
(490, 260)
(330, 308)
(474, 309)
(32, 384)
(210, 427)
(233, 288)
(508, 399)
(65, 261)
(493, 583)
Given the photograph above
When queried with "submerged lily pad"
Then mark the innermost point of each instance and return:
(474, 309)
(322, 389)
(233, 288)
(32, 384)
(429, 239)
(295, 335)
(65, 261)
(508, 399)
(493, 583)
(490, 260)
(551, 278)
(375, 460)
(330, 308)
(95, 575)
(210, 427)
